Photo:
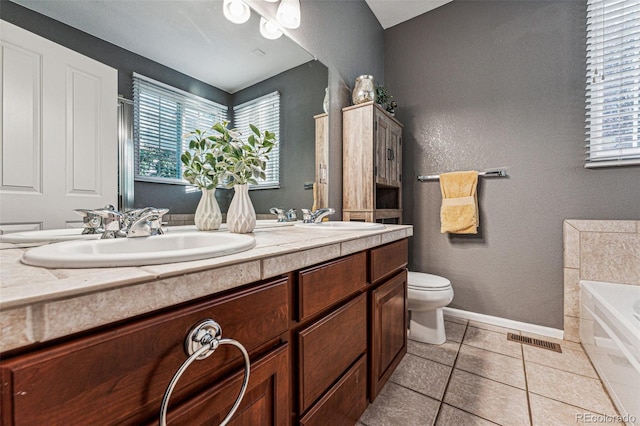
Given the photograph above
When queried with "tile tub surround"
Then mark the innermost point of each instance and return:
(471, 380)
(38, 304)
(597, 250)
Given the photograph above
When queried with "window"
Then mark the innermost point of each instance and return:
(161, 116)
(264, 113)
(613, 82)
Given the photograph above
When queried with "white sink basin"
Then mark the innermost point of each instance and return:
(343, 226)
(168, 248)
(49, 235)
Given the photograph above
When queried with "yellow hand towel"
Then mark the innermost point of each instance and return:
(459, 210)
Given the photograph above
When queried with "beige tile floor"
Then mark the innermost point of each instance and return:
(478, 377)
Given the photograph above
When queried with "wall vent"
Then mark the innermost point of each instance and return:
(538, 343)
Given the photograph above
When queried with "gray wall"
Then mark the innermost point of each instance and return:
(301, 95)
(302, 91)
(485, 84)
(346, 37)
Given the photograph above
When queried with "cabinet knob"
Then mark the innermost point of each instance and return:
(203, 340)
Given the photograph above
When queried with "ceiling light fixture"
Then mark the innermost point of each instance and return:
(269, 30)
(288, 14)
(236, 11)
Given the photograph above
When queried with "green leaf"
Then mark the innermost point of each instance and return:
(254, 129)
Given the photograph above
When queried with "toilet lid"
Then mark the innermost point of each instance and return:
(422, 281)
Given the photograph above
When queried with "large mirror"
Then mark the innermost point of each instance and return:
(190, 45)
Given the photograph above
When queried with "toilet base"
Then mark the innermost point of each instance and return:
(427, 327)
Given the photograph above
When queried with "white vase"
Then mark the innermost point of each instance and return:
(208, 216)
(241, 217)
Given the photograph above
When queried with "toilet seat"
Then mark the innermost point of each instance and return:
(427, 282)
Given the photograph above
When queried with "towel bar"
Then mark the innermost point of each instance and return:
(490, 173)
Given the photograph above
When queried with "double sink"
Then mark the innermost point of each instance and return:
(74, 250)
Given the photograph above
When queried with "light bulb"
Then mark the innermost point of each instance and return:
(269, 30)
(288, 14)
(236, 11)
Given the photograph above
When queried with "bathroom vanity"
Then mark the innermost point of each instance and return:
(322, 314)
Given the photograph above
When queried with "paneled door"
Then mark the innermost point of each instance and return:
(59, 133)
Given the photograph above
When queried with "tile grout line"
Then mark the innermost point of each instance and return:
(453, 366)
(526, 385)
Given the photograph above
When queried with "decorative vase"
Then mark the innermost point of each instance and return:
(364, 90)
(241, 217)
(208, 216)
(325, 102)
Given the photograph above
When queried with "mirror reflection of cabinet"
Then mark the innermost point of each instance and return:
(372, 164)
(322, 160)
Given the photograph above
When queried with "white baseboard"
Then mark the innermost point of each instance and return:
(506, 323)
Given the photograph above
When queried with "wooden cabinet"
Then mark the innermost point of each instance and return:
(372, 164)
(388, 312)
(125, 370)
(322, 160)
(321, 340)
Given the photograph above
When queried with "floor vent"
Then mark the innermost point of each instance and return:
(534, 342)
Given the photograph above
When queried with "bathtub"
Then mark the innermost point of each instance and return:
(610, 334)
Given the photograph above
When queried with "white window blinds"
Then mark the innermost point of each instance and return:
(613, 82)
(264, 113)
(162, 115)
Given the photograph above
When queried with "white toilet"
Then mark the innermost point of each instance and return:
(427, 295)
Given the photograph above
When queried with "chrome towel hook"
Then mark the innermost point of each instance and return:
(201, 342)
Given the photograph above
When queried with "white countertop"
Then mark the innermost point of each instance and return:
(39, 304)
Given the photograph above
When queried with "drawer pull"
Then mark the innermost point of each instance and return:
(202, 341)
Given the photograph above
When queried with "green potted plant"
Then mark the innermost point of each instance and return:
(201, 168)
(242, 162)
(385, 99)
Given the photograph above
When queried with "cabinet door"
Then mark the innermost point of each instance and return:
(381, 136)
(388, 306)
(394, 145)
(265, 403)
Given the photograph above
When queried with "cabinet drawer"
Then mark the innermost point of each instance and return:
(329, 346)
(386, 260)
(323, 286)
(128, 368)
(345, 402)
(266, 401)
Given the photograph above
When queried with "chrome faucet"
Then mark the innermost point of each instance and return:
(111, 223)
(147, 224)
(92, 222)
(134, 223)
(288, 216)
(316, 216)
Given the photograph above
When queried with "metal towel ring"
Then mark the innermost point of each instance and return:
(200, 343)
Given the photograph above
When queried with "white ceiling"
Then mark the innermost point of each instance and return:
(393, 12)
(190, 36)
